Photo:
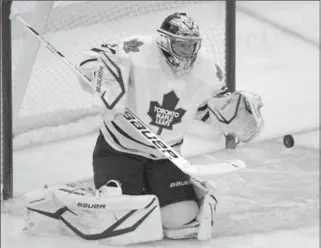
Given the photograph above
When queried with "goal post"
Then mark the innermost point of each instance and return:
(47, 103)
(6, 103)
(230, 63)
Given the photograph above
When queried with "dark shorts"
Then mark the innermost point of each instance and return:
(139, 175)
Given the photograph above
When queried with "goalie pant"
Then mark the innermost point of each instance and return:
(139, 175)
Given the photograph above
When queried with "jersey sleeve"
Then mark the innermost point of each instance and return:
(218, 88)
(90, 62)
(202, 113)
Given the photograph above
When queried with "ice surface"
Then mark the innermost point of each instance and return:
(273, 203)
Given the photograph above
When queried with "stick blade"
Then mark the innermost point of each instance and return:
(218, 168)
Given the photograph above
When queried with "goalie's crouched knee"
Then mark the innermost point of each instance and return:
(117, 219)
(189, 219)
(179, 214)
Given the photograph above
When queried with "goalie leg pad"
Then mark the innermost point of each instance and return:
(114, 220)
(184, 232)
(206, 217)
(208, 196)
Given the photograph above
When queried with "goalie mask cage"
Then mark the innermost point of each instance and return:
(41, 100)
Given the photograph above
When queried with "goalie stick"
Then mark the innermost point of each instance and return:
(183, 164)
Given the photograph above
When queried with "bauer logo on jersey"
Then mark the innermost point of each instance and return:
(132, 45)
(165, 115)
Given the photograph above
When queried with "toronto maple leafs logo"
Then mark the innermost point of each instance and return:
(132, 45)
(165, 115)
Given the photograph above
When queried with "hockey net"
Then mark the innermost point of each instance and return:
(48, 102)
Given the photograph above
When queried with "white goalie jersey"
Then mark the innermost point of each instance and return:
(164, 101)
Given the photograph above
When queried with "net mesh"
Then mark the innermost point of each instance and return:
(54, 106)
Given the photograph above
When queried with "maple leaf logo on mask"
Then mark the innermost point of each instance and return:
(165, 116)
(132, 45)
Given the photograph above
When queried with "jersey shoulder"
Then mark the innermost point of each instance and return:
(208, 70)
(137, 44)
(143, 52)
(209, 73)
(128, 47)
(124, 50)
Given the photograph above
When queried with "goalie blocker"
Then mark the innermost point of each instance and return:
(111, 217)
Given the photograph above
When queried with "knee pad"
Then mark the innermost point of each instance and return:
(179, 214)
(203, 225)
(111, 218)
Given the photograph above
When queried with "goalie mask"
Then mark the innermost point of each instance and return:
(179, 41)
